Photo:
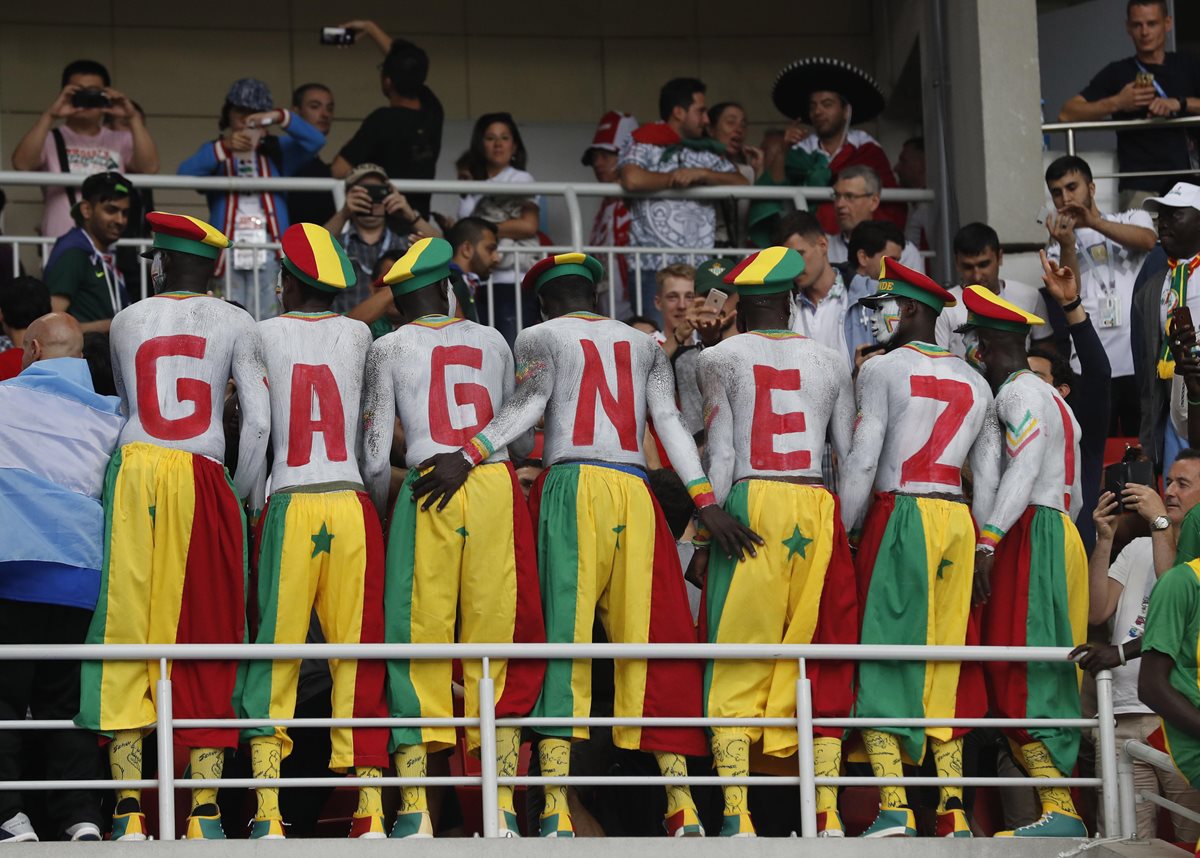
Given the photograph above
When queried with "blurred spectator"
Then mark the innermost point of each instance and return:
(1171, 282)
(497, 154)
(712, 324)
(977, 258)
(82, 143)
(829, 95)
(1106, 251)
(673, 153)
(10, 262)
(674, 288)
(405, 138)
(870, 242)
(1150, 83)
(378, 311)
(56, 437)
(247, 149)
(21, 301)
(727, 124)
(82, 273)
(826, 308)
(376, 218)
(611, 226)
(644, 324)
(856, 199)
(910, 173)
(474, 242)
(98, 355)
(141, 201)
(313, 102)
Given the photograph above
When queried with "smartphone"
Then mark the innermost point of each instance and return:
(1045, 213)
(377, 193)
(1144, 78)
(716, 300)
(1181, 317)
(337, 36)
(255, 135)
(90, 97)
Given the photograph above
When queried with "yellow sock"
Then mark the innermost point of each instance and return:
(266, 753)
(125, 761)
(675, 766)
(947, 758)
(1039, 765)
(508, 752)
(554, 755)
(731, 759)
(884, 752)
(206, 764)
(370, 798)
(412, 761)
(827, 763)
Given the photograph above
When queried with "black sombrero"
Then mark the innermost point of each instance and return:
(798, 81)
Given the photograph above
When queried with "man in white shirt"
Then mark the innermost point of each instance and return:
(977, 258)
(1107, 252)
(1121, 592)
(856, 199)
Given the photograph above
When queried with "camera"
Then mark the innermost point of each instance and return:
(336, 36)
(1133, 468)
(90, 98)
(377, 193)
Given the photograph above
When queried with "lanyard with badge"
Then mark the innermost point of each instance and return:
(109, 280)
(1101, 261)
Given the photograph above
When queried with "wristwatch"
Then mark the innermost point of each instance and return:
(1160, 523)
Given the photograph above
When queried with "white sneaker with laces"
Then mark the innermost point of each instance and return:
(84, 831)
(18, 829)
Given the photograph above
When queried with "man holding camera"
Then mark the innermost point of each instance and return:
(375, 219)
(83, 143)
(1121, 590)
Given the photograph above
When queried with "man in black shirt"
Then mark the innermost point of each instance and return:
(313, 102)
(1151, 83)
(405, 138)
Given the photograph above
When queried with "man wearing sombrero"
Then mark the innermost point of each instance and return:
(829, 95)
(1030, 566)
(922, 412)
(320, 546)
(174, 538)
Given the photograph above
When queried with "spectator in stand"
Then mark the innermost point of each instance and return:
(82, 272)
(828, 96)
(474, 243)
(643, 324)
(83, 144)
(673, 153)
(497, 154)
(675, 287)
(1121, 590)
(313, 102)
(870, 242)
(378, 312)
(856, 199)
(246, 149)
(21, 302)
(1172, 282)
(727, 124)
(1106, 251)
(711, 328)
(1150, 83)
(375, 219)
(405, 137)
(141, 201)
(611, 226)
(977, 258)
(911, 175)
(56, 437)
(824, 307)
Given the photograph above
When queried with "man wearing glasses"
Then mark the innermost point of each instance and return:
(856, 199)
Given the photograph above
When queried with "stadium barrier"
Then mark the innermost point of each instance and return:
(1072, 128)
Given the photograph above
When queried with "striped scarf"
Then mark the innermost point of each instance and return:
(1181, 272)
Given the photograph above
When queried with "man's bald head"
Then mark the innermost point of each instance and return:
(54, 335)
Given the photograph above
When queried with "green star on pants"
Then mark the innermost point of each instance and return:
(618, 530)
(322, 541)
(797, 543)
(943, 566)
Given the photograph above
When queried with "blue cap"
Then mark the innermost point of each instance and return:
(250, 93)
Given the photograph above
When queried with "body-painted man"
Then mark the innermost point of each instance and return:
(922, 413)
(445, 378)
(770, 399)
(319, 541)
(602, 540)
(174, 543)
(1030, 565)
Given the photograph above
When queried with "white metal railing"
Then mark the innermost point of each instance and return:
(487, 722)
(1130, 752)
(1071, 128)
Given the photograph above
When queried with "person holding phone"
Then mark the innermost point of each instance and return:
(83, 143)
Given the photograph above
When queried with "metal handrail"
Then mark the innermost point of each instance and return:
(1071, 128)
(1134, 750)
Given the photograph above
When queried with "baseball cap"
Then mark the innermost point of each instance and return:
(362, 171)
(250, 93)
(1182, 196)
(613, 132)
(110, 184)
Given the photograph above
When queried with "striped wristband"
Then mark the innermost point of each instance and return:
(478, 449)
(990, 537)
(701, 491)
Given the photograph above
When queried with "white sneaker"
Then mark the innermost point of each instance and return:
(18, 829)
(84, 831)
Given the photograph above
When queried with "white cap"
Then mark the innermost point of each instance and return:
(1182, 196)
(613, 133)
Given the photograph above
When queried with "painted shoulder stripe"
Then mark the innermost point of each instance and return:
(1018, 436)
(929, 350)
(436, 322)
(779, 335)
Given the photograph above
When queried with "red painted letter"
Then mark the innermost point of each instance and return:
(311, 382)
(923, 466)
(441, 427)
(619, 409)
(768, 423)
(193, 390)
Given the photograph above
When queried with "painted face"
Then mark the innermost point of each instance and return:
(158, 277)
(885, 320)
(971, 343)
